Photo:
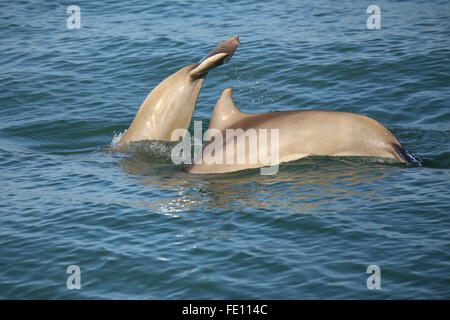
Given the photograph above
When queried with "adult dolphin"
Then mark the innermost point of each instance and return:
(299, 134)
(171, 103)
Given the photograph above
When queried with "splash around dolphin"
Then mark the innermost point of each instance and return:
(300, 134)
(171, 103)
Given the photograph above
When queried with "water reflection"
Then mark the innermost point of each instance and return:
(308, 186)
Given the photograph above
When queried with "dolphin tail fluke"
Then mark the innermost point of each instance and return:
(406, 157)
(221, 54)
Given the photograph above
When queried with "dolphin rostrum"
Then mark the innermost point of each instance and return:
(300, 134)
(171, 103)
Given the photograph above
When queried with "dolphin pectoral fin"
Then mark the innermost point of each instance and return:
(228, 46)
(208, 64)
(404, 156)
(225, 112)
(221, 54)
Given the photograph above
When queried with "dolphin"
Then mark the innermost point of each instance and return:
(300, 133)
(171, 103)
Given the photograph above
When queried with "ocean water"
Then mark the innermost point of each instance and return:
(139, 227)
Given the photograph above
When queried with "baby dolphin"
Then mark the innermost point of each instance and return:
(171, 103)
(300, 134)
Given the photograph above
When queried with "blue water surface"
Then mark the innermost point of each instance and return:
(139, 227)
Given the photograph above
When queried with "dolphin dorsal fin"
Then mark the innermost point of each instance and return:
(225, 112)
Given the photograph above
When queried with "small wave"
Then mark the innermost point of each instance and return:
(117, 136)
(153, 149)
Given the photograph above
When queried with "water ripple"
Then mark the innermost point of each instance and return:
(140, 227)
